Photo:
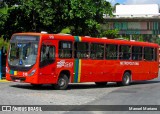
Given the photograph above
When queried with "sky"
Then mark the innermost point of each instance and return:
(135, 1)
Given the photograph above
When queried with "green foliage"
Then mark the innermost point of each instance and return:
(3, 10)
(81, 17)
(110, 34)
(85, 16)
(33, 16)
(66, 31)
(11, 3)
(4, 43)
(114, 7)
(3, 17)
(158, 41)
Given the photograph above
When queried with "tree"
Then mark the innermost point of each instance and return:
(11, 3)
(114, 7)
(111, 34)
(3, 13)
(85, 16)
(82, 17)
(33, 16)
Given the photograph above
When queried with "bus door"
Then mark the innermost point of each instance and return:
(147, 62)
(153, 64)
(47, 61)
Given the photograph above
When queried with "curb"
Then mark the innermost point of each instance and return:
(4, 81)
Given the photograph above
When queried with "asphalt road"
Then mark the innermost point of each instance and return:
(138, 93)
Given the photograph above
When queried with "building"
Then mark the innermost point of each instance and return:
(147, 10)
(135, 20)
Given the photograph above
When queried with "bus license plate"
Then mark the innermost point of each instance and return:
(17, 80)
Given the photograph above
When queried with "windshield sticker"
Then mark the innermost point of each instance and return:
(19, 45)
(20, 62)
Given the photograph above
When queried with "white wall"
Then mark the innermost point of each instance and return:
(148, 10)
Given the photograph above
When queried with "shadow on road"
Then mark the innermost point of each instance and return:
(144, 82)
(80, 85)
(70, 87)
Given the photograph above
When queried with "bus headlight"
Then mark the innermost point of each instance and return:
(33, 71)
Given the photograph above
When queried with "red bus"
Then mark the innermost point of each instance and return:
(59, 59)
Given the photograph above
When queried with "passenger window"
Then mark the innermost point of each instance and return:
(155, 54)
(65, 49)
(148, 53)
(111, 52)
(81, 50)
(97, 51)
(136, 53)
(124, 52)
(47, 55)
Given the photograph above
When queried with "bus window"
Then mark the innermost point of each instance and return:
(111, 52)
(14, 52)
(65, 49)
(155, 54)
(124, 52)
(47, 55)
(81, 50)
(97, 51)
(148, 53)
(136, 53)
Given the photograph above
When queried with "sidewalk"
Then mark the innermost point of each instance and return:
(3, 80)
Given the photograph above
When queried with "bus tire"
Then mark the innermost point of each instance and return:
(62, 83)
(126, 80)
(101, 83)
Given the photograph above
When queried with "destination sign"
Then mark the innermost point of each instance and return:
(25, 38)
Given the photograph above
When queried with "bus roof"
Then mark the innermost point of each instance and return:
(90, 39)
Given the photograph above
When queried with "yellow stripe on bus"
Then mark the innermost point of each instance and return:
(15, 72)
(79, 71)
(80, 39)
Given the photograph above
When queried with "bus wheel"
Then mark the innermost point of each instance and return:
(62, 83)
(126, 79)
(101, 83)
(36, 85)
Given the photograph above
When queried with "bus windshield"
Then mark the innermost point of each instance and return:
(22, 53)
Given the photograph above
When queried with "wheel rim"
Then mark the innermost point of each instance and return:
(61, 82)
(126, 79)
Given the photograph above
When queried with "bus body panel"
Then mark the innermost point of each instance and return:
(66, 65)
(23, 76)
(86, 70)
